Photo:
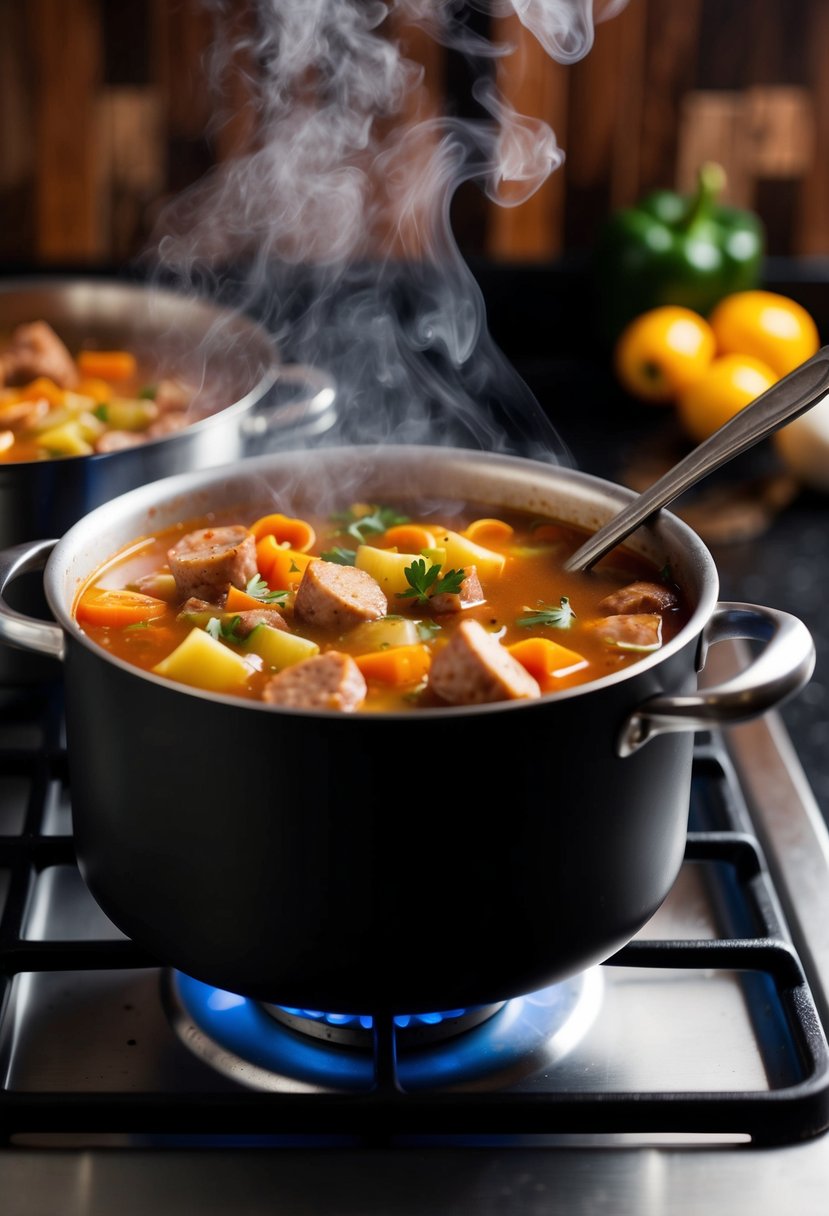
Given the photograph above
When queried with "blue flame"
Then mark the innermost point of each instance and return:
(505, 1043)
(365, 1021)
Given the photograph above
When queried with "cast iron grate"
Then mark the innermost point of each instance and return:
(32, 750)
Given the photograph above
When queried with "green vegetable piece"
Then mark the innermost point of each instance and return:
(676, 249)
(425, 583)
(259, 590)
(547, 614)
(378, 520)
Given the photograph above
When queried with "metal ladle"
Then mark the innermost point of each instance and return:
(787, 399)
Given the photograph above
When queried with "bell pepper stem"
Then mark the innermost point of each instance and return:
(711, 181)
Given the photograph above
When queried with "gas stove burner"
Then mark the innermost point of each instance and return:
(355, 1030)
(280, 1049)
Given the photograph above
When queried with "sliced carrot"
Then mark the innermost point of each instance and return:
(492, 530)
(397, 665)
(240, 601)
(111, 365)
(95, 388)
(287, 569)
(43, 387)
(547, 661)
(409, 538)
(296, 533)
(113, 608)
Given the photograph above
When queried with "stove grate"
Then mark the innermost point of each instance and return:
(756, 943)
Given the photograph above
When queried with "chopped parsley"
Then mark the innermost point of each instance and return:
(547, 614)
(148, 392)
(343, 557)
(225, 631)
(102, 411)
(423, 583)
(377, 520)
(259, 590)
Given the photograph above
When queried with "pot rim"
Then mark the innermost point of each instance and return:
(144, 291)
(668, 527)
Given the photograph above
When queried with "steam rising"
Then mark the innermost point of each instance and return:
(337, 229)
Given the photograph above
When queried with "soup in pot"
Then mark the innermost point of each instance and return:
(56, 404)
(377, 608)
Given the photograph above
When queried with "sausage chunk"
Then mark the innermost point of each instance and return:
(205, 562)
(338, 597)
(327, 681)
(36, 350)
(469, 593)
(473, 668)
(639, 597)
(637, 631)
(247, 621)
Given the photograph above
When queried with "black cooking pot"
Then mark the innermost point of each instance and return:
(392, 862)
(244, 391)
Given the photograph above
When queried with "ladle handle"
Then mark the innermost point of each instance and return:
(784, 401)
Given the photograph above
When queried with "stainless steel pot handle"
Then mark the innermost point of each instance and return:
(300, 397)
(27, 632)
(779, 671)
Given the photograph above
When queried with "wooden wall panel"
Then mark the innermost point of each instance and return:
(64, 48)
(97, 134)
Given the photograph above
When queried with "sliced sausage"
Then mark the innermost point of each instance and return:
(36, 350)
(338, 597)
(118, 441)
(637, 631)
(473, 668)
(327, 681)
(469, 593)
(204, 563)
(167, 424)
(251, 617)
(639, 597)
(172, 395)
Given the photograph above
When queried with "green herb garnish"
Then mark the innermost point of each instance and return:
(378, 520)
(225, 631)
(424, 583)
(546, 614)
(259, 590)
(148, 392)
(102, 411)
(343, 557)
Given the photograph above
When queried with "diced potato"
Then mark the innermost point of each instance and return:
(278, 648)
(126, 414)
(202, 662)
(388, 567)
(388, 631)
(65, 440)
(460, 552)
(90, 427)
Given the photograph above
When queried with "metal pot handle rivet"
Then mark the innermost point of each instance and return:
(27, 632)
(782, 668)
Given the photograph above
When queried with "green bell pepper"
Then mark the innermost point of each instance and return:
(676, 249)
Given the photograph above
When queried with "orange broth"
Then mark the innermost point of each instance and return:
(532, 578)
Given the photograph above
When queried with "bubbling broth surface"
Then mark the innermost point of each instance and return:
(378, 607)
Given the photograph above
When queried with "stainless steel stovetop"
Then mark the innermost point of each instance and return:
(689, 1073)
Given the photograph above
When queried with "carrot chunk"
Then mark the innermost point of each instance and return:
(547, 661)
(397, 665)
(110, 607)
(296, 533)
(110, 365)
